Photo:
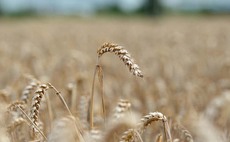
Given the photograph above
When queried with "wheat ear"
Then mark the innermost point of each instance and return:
(155, 116)
(14, 105)
(184, 134)
(28, 90)
(123, 54)
(122, 107)
(36, 101)
(19, 105)
(145, 122)
(131, 135)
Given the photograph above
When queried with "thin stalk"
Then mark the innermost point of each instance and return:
(92, 101)
(49, 109)
(138, 135)
(73, 97)
(100, 77)
(36, 127)
(61, 98)
(167, 131)
(78, 128)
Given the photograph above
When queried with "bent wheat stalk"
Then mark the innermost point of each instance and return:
(33, 124)
(123, 54)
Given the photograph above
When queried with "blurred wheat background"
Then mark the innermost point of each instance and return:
(185, 62)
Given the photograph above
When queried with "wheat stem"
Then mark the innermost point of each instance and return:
(34, 125)
(92, 101)
(60, 97)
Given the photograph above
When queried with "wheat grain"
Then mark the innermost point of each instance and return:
(131, 136)
(36, 101)
(155, 116)
(28, 90)
(14, 105)
(123, 54)
(148, 119)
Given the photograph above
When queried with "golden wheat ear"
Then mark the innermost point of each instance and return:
(123, 54)
(131, 135)
(182, 132)
(122, 107)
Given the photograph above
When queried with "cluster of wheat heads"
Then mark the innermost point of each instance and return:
(27, 124)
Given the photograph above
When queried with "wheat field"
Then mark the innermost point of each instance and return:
(53, 87)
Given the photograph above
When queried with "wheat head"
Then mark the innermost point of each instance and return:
(36, 101)
(123, 54)
(28, 90)
(122, 107)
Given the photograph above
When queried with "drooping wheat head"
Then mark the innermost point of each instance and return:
(149, 118)
(131, 135)
(145, 122)
(123, 54)
(155, 116)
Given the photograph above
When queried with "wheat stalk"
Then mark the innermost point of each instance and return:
(123, 54)
(98, 70)
(33, 124)
(78, 127)
(159, 138)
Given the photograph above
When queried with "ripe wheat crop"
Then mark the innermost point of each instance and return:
(51, 90)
